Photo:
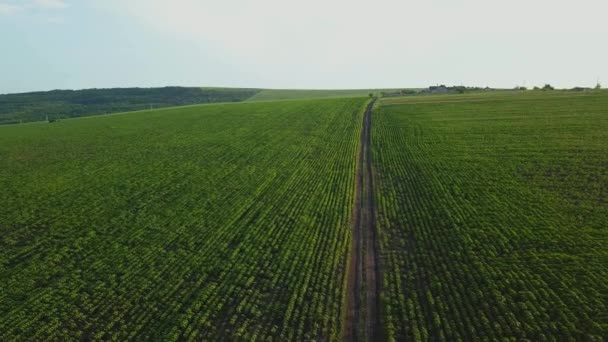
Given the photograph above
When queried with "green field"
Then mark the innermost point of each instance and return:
(292, 94)
(64, 104)
(488, 213)
(204, 222)
(492, 213)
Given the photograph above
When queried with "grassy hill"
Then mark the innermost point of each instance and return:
(290, 94)
(61, 104)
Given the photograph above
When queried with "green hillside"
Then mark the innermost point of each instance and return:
(61, 104)
(290, 94)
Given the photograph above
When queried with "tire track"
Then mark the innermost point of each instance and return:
(361, 323)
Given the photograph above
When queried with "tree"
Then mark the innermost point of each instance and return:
(548, 87)
(598, 86)
(371, 94)
(407, 92)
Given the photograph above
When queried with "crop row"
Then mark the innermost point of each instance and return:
(210, 222)
(492, 217)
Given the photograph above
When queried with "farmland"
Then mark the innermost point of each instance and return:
(64, 104)
(439, 217)
(218, 221)
(291, 94)
(491, 212)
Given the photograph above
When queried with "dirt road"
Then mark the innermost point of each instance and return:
(361, 323)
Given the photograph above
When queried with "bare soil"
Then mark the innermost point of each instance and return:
(361, 322)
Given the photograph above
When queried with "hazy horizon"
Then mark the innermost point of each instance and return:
(63, 44)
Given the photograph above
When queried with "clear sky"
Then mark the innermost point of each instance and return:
(71, 44)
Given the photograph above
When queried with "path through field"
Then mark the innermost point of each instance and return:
(362, 289)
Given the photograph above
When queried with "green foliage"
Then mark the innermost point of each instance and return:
(60, 104)
(215, 222)
(399, 92)
(491, 213)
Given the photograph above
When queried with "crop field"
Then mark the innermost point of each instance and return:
(291, 94)
(439, 217)
(492, 216)
(224, 222)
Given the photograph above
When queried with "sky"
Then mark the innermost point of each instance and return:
(314, 44)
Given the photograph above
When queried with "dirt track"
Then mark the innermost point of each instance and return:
(361, 323)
